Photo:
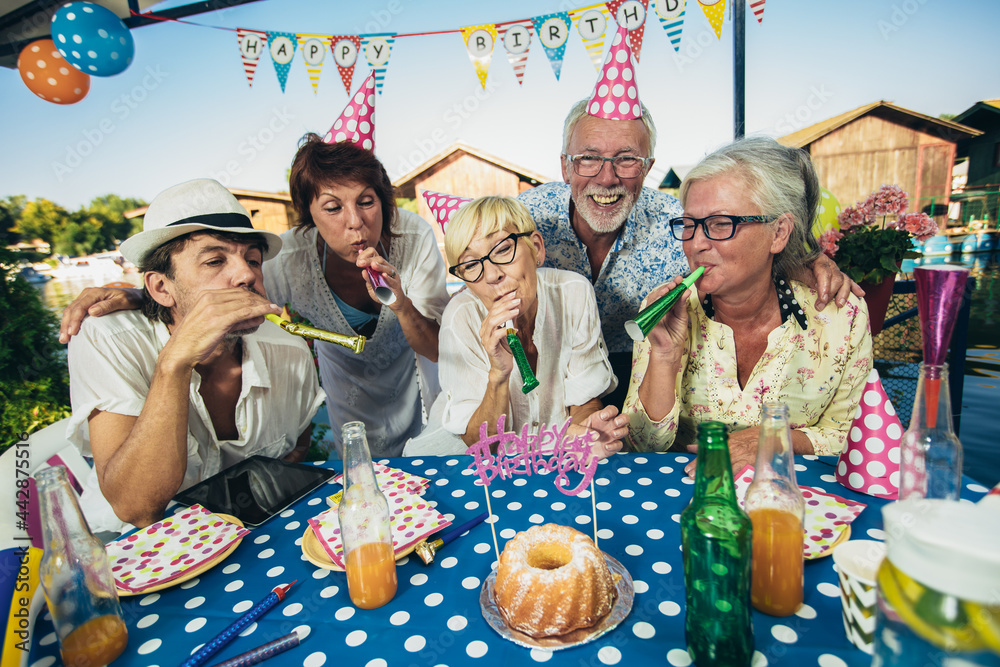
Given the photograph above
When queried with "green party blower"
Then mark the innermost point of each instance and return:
(644, 322)
(530, 381)
(356, 343)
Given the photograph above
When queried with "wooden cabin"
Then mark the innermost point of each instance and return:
(271, 211)
(983, 150)
(858, 151)
(463, 170)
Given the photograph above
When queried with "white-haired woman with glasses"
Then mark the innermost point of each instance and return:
(752, 334)
(492, 245)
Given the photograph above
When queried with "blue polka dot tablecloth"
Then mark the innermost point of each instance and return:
(435, 618)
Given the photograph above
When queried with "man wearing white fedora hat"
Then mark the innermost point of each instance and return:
(193, 383)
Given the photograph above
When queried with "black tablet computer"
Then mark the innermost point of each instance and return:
(255, 489)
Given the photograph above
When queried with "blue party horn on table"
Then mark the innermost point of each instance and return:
(229, 634)
(426, 550)
(647, 318)
(263, 652)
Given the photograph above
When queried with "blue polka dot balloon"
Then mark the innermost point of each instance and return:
(92, 39)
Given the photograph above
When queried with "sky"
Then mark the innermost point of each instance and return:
(184, 110)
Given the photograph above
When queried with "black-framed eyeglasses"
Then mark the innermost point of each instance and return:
(716, 227)
(624, 166)
(502, 253)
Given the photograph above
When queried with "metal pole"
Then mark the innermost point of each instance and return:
(739, 68)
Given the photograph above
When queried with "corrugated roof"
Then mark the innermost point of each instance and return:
(807, 135)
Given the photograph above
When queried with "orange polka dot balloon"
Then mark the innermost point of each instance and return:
(48, 75)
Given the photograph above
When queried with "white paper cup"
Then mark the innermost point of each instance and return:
(857, 564)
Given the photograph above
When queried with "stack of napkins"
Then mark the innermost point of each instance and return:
(167, 549)
(826, 516)
(411, 518)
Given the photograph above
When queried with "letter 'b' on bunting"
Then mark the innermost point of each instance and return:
(252, 44)
(479, 41)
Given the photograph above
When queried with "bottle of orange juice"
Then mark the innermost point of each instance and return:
(364, 526)
(777, 510)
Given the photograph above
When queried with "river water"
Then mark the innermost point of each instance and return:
(982, 367)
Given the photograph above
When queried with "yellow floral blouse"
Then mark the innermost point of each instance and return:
(819, 372)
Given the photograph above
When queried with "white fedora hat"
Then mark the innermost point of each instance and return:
(190, 207)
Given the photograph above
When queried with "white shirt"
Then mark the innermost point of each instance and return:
(572, 362)
(111, 364)
(388, 386)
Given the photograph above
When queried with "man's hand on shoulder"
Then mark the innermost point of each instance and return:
(96, 301)
(827, 279)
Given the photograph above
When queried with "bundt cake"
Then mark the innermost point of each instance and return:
(552, 580)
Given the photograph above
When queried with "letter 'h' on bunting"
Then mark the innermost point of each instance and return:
(252, 44)
(479, 41)
(631, 14)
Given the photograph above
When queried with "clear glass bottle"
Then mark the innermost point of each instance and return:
(364, 526)
(76, 577)
(717, 537)
(930, 452)
(777, 511)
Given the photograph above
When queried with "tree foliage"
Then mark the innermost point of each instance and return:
(34, 383)
(99, 226)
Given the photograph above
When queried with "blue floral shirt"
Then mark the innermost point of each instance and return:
(644, 255)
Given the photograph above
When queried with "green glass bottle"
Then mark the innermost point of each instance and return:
(717, 539)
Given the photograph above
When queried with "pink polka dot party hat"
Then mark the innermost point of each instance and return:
(357, 121)
(870, 462)
(615, 95)
(443, 206)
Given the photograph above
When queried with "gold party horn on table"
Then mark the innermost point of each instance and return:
(356, 343)
(644, 322)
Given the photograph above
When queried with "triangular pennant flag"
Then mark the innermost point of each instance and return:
(714, 10)
(757, 7)
(479, 41)
(282, 46)
(356, 122)
(553, 32)
(443, 206)
(516, 38)
(869, 462)
(313, 49)
(592, 25)
(632, 15)
(377, 49)
(672, 20)
(252, 44)
(345, 53)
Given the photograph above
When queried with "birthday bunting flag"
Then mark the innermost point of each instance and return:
(345, 53)
(671, 15)
(592, 25)
(553, 32)
(757, 7)
(313, 49)
(714, 10)
(377, 49)
(516, 38)
(282, 46)
(479, 41)
(632, 15)
(252, 44)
